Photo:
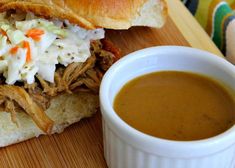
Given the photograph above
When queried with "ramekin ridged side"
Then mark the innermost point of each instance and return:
(119, 153)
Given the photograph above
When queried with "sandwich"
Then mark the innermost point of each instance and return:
(53, 55)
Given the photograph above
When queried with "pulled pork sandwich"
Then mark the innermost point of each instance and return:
(52, 58)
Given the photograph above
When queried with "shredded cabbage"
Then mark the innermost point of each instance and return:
(46, 71)
(15, 64)
(5, 27)
(30, 45)
(3, 65)
(15, 36)
(4, 47)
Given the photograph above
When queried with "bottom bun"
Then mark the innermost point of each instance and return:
(64, 110)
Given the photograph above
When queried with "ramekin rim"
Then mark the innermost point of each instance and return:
(117, 121)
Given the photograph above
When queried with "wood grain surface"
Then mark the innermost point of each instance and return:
(190, 29)
(80, 145)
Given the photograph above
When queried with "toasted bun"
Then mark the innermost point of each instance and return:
(90, 14)
(64, 110)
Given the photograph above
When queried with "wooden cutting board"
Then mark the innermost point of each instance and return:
(81, 144)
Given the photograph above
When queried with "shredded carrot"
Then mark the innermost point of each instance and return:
(35, 34)
(3, 32)
(26, 45)
(14, 50)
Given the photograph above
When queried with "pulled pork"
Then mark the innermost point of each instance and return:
(35, 98)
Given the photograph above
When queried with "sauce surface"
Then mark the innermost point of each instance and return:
(176, 105)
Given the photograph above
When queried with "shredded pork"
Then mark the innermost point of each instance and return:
(18, 95)
(35, 98)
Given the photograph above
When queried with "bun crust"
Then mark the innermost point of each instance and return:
(90, 14)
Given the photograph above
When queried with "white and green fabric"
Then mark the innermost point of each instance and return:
(217, 17)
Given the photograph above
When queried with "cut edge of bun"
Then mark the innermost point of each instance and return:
(65, 110)
(152, 14)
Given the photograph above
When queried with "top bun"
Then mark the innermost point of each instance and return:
(91, 14)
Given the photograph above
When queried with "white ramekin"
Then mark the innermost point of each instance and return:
(126, 147)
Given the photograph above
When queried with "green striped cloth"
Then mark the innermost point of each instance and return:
(218, 19)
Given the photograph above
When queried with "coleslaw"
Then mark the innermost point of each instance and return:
(30, 45)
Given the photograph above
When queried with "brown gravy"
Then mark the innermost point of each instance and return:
(176, 105)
